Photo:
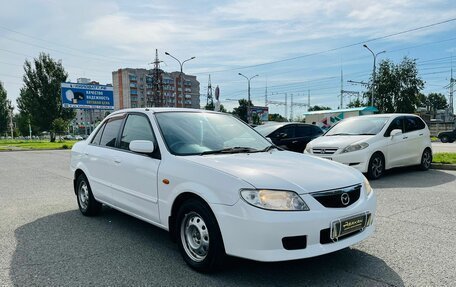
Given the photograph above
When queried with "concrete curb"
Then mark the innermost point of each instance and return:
(443, 166)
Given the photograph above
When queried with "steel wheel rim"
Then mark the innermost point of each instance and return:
(427, 159)
(83, 195)
(377, 167)
(195, 236)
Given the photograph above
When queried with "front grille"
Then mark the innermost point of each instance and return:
(337, 198)
(326, 150)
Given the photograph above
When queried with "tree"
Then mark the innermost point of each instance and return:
(397, 87)
(356, 103)
(4, 112)
(276, 118)
(59, 126)
(241, 111)
(211, 107)
(40, 95)
(318, 108)
(436, 102)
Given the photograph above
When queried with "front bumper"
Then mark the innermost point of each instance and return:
(357, 159)
(257, 234)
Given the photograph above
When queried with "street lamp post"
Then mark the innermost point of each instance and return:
(181, 75)
(248, 100)
(373, 71)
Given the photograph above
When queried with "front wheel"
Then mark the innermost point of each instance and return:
(376, 166)
(199, 238)
(426, 159)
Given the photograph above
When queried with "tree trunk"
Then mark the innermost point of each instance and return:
(52, 137)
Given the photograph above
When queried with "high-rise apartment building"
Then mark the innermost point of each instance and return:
(136, 88)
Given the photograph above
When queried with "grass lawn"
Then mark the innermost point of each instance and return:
(444, 157)
(34, 144)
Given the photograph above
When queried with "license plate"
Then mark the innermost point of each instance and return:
(348, 225)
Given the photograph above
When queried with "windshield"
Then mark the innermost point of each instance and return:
(358, 126)
(191, 133)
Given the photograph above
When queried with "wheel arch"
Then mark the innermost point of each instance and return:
(77, 173)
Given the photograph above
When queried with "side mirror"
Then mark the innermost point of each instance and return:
(142, 146)
(395, 132)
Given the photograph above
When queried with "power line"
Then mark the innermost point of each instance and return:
(339, 48)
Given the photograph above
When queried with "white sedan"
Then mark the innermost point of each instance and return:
(375, 143)
(219, 187)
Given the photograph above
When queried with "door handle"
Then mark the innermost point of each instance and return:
(294, 141)
(405, 138)
(420, 134)
(117, 161)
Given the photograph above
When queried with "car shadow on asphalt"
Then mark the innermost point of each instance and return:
(116, 249)
(409, 177)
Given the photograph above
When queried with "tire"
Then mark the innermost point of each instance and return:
(198, 237)
(426, 160)
(444, 139)
(376, 166)
(88, 205)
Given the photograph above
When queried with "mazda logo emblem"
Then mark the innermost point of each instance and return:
(345, 198)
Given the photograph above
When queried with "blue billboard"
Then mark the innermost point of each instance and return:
(86, 96)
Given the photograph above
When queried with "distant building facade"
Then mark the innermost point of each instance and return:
(136, 88)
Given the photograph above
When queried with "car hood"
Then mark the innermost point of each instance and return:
(282, 170)
(338, 141)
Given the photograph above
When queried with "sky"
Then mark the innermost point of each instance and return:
(296, 47)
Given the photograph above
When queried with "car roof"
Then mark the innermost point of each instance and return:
(154, 110)
(389, 115)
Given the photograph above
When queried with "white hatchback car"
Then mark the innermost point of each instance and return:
(219, 187)
(375, 143)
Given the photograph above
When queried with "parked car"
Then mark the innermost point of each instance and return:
(290, 136)
(375, 143)
(448, 136)
(78, 138)
(219, 187)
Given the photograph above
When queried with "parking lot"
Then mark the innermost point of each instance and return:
(45, 241)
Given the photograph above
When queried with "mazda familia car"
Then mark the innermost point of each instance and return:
(375, 143)
(219, 187)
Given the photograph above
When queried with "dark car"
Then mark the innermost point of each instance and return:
(290, 136)
(447, 137)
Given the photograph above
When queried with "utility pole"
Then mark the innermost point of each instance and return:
(209, 99)
(157, 84)
(341, 88)
(308, 100)
(286, 106)
(11, 108)
(266, 94)
(373, 71)
(291, 108)
(451, 88)
(249, 118)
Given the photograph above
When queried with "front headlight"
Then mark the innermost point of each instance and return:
(308, 149)
(367, 187)
(274, 199)
(355, 147)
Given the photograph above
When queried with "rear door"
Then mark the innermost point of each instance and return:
(414, 133)
(303, 135)
(100, 158)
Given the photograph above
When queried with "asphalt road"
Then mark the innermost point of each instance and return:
(443, 147)
(45, 241)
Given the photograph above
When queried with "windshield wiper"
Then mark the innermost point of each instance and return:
(236, 149)
(268, 148)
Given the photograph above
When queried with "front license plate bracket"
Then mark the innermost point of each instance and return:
(345, 226)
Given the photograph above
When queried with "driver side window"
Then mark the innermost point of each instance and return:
(136, 127)
(396, 124)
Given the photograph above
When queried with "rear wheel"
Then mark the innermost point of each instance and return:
(88, 205)
(444, 139)
(376, 166)
(426, 159)
(199, 238)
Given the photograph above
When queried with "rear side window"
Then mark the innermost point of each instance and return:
(110, 132)
(316, 130)
(396, 124)
(137, 127)
(285, 132)
(413, 124)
